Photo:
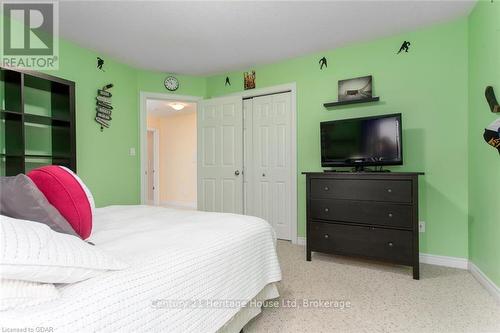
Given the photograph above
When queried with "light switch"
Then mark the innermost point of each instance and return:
(132, 151)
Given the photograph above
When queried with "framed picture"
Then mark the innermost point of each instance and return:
(249, 80)
(355, 89)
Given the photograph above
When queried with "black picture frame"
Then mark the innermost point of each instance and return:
(359, 88)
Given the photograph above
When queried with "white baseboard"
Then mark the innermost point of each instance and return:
(425, 258)
(301, 241)
(455, 262)
(179, 204)
(485, 281)
(433, 259)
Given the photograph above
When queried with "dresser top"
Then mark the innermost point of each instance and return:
(363, 173)
(349, 174)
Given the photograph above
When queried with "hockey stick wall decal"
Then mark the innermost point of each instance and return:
(491, 99)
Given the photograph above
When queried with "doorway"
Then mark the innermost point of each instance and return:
(168, 154)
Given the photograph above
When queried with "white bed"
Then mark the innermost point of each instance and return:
(173, 255)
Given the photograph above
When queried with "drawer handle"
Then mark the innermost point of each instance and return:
(326, 236)
(326, 210)
(391, 244)
(326, 188)
(390, 215)
(389, 190)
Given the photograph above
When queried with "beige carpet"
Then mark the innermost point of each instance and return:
(383, 298)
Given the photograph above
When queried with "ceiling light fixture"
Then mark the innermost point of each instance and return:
(177, 106)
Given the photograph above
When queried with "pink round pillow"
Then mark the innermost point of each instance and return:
(66, 194)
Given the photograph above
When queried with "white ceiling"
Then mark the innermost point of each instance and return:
(201, 38)
(162, 108)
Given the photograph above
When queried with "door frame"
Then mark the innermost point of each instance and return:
(143, 97)
(156, 161)
(292, 88)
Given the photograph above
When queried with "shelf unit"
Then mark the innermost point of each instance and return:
(37, 121)
(355, 101)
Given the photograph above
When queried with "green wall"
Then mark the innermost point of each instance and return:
(188, 85)
(103, 159)
(428, 86)
(484, 161)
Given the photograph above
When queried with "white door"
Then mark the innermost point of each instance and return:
(150, 170)
(248, 184)
(272, 172)
(220, 155)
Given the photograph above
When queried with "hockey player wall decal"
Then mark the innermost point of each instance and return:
(404, 47)
(323, 63)
(100, 63)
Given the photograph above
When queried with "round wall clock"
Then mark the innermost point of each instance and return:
(171, 83)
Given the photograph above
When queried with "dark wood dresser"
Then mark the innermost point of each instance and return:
(367, 214)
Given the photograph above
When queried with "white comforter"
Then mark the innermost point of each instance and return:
(174, 255)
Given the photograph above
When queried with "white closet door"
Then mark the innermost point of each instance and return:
(248, 183)
(272, 161)
(220, 155)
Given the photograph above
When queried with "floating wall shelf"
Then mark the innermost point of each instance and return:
(357, 101)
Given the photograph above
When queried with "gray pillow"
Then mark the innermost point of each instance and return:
(21, 199)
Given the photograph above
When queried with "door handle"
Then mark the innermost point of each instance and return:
(237, 173)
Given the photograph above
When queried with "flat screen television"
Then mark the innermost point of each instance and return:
(359, 142)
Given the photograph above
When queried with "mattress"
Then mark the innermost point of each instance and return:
(188, 271)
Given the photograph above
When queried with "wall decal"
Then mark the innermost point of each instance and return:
(492, 134)
(355, 89)
(228, 83)
(492, 131)
(404, 47)
(100, 63)
(103, 106)
(323, 62)
(249, 80)
(491, 99)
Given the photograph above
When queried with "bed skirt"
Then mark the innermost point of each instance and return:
(239, 320)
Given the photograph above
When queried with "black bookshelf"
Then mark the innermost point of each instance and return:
(357, 101)
(37, 121)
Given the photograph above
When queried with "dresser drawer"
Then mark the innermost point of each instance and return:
(363, 212)
(386, 244)
(355, 189)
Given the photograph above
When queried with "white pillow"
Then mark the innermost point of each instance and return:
(89, 195)
(17, 294)
(33, 252)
